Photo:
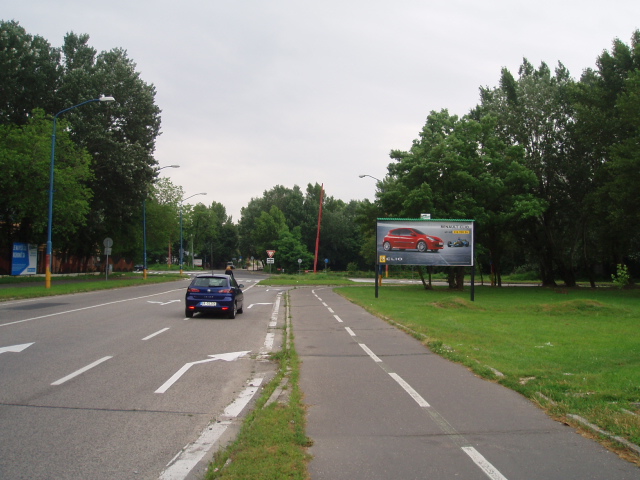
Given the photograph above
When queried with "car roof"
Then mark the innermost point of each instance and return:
(211, 275)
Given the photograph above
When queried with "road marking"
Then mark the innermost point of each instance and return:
(88, 308)
(275, 311)
(82, 370)
(228, 357)
(445, 426)
(157, 333)
(259, 304)
(338, 318)
(409, 389)
(484, 465)
(351, 332)
(370, 353)
(163, 303)
(330, 310)
(268, 343)
(181, 465)
(16, 348)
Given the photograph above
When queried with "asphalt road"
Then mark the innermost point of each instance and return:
(118, 384)
(382, 406)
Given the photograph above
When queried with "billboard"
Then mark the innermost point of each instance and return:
(436, 242)
(25, 259)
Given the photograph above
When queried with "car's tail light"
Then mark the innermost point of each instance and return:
(193, 290)
(225, 290)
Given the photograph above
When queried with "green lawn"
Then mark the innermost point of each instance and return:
(579, 348)
(33, 287)
(307, 279)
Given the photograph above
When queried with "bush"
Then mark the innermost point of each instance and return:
(621, 278)
(352, 267)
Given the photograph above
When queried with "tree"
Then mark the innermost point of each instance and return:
(25, 159)
(607, 128)
(460, 168)
(162, 219)
(291, 249)
(29, 74)
(120, 137)
(534, 112)
(215, 237)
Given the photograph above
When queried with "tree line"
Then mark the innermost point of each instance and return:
(548, 167)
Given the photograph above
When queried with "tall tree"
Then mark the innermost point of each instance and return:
(535, 113)
(25, 152)
(29, 74)
(607, 129)
(120, 137)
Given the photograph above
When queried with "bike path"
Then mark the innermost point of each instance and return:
(383, 406)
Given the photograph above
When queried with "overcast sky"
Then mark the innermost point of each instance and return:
(258, 93)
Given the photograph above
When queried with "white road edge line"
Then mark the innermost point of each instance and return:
(181, 465)
(82, 370)
(484, 465)
(157, 333)
(274, 312)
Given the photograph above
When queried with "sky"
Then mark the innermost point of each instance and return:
(259, 93)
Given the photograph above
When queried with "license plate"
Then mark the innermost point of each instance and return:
(208, 304)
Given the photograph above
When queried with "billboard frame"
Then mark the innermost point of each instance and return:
(446, 242)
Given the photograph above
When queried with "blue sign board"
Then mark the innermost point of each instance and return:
(24, 259)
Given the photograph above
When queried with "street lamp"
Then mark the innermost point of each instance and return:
(144, 228)
(370, 176)
(182, 249)
(48, 259)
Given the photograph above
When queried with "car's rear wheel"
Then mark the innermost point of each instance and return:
(234, 310)
(188, 313)
(422, 246)
(386, 246)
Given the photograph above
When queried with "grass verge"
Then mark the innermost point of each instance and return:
(572, 351)
(272, 441)
(307, 279)
(78, 284)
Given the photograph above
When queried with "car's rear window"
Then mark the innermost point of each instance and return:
(210, 282)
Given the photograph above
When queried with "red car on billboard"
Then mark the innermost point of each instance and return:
(411, 239)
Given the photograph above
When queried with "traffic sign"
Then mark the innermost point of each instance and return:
(270, 260)
(271, 253)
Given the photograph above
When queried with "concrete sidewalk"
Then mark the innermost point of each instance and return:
(382, 406)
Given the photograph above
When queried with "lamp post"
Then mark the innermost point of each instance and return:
(144, 228)
(182, 249)
(370, 176)
(48, 259)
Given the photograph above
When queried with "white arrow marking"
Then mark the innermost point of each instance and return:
(15, 348)
(259, 304)
(163, 303)
(228, 357)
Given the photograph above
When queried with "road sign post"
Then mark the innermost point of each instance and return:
(108, 243)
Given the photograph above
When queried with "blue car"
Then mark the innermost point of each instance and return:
(211, 293)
